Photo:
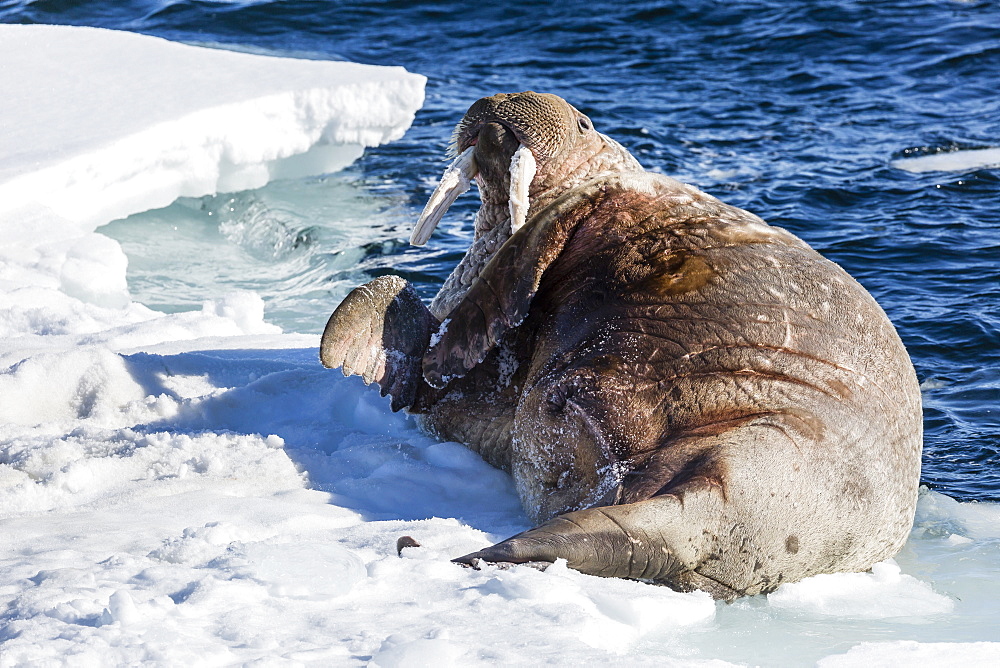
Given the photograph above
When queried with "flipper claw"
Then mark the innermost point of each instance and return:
(476, 564)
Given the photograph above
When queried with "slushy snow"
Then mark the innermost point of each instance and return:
(195, 489)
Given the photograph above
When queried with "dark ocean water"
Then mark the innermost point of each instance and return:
(791, 109)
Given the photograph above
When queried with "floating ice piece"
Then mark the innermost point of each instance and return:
(952, 161)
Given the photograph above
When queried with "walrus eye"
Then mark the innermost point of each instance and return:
(585, 124)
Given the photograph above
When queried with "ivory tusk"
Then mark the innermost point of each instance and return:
(454, 182)
(522, 171)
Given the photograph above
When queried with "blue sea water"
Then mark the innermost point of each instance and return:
(793, 109)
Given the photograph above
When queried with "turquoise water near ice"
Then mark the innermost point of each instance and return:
(794, 110)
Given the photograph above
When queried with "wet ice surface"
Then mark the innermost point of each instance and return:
(188, 485)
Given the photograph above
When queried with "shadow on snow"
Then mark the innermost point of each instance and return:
(337, 431)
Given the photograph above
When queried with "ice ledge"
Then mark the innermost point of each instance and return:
(100, 124)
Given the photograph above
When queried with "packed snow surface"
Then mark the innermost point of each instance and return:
(195, 489)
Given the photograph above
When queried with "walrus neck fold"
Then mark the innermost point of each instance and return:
(492, 231)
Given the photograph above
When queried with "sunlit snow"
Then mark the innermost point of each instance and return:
(195, 489)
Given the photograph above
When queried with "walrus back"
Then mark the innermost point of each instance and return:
(758, 371)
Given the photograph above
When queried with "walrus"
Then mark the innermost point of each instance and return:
(682, 393)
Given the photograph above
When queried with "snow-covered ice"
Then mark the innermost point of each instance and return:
(101, 124)
(194, 488)
(152, 120)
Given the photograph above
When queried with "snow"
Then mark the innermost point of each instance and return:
(884, 592)
(195, 488)
(912, 653)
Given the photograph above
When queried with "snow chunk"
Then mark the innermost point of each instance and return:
(90, 384)
(94, 272)
(913, 653)
(883, 593)
(245, 309)
(121, 608)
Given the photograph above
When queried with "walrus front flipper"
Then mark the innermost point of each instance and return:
(380, 332)
(500, 297)
(659, 540)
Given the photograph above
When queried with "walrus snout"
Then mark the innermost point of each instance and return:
(493, 154)
(494, 148)
(515, 145)
(540, 121)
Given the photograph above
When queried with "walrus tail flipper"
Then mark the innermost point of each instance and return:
(652, 540)
(380, 332)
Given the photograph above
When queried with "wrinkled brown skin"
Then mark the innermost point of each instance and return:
(682, 393)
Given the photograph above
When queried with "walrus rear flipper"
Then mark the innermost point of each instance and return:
(380, 332)
(657, 540)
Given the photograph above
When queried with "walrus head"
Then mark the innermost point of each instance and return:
(522, 150)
